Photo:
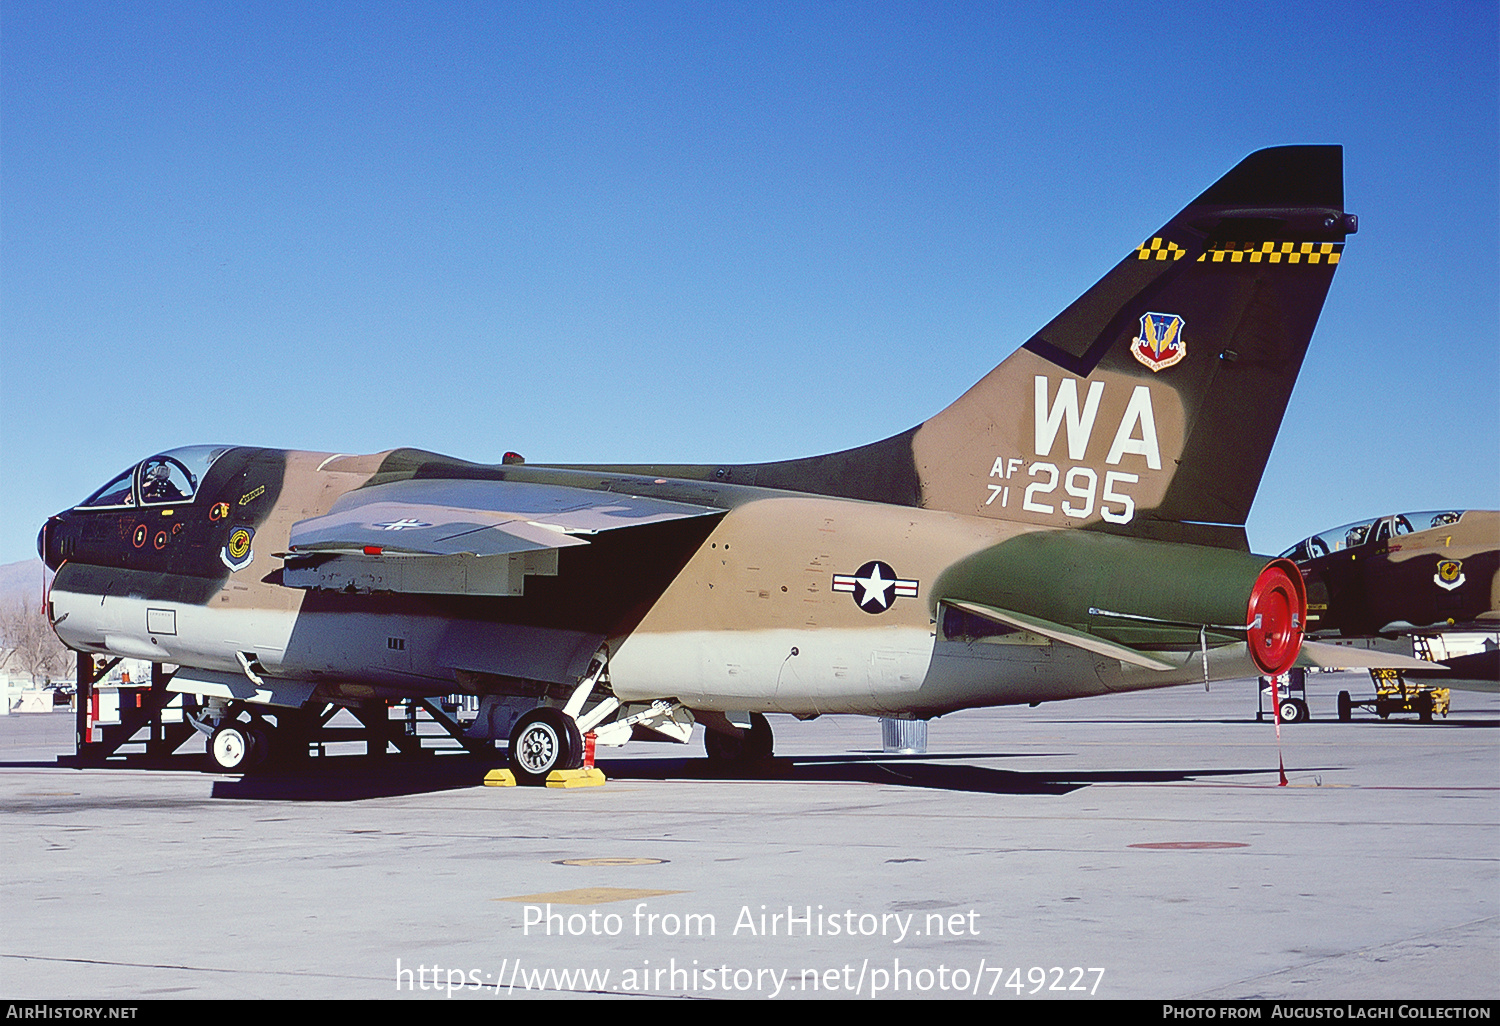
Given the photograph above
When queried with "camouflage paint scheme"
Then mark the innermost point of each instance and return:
(1402, 572)
(1410, 575)
(1073, 524)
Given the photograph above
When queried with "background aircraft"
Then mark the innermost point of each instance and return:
(1071, 525)
(1430, 578)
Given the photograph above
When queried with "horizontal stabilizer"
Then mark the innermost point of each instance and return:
(1066, 635)
(1344, 657)
(1464, 670)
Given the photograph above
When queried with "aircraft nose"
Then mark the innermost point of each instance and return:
(44, 537)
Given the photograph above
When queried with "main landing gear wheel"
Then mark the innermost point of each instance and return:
(544, 740)
(1423, 705)
(1346, 707)
(751, 746)
(231, 748)
(1293, 711)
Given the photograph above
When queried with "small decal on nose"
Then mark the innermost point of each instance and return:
(1450, 574)
(236, 554)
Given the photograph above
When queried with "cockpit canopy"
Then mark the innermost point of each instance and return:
(169, 477)
(1369, 532)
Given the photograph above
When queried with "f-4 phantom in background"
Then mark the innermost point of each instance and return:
(1071, 526)
(1411, 577)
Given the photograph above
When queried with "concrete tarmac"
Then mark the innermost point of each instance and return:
(1133, 846)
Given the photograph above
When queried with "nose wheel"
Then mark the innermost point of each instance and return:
(235, 747)
(230, 748)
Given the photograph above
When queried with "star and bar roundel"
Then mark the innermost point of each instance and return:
(875, 586)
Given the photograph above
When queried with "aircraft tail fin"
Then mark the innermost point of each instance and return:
(1149, 406)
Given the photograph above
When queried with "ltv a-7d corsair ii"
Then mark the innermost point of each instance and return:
(1072, 525)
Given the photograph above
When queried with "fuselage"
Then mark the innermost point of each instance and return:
(1406, 571)
(786, 602)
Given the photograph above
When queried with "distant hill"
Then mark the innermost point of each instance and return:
(22, 580)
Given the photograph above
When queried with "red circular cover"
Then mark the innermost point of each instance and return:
(1280, 600)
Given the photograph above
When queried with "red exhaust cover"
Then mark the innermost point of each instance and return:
(1280, 600)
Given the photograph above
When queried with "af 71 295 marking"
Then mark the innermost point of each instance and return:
(1058, 411)
(1071, 485)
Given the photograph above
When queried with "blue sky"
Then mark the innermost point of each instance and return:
(703, 231)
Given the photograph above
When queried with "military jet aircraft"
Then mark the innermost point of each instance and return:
(1410, 577)
(1072, 525)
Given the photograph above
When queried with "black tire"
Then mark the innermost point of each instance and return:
(1346, 707)
(260, 744)
(751, 746)
(231, 748)
(1423, 705)
(290, 738)
(1292, 711)
(544, 740)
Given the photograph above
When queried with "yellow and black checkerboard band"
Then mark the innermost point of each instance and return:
(1247, 252)
(1273, 253)
(1159, 249)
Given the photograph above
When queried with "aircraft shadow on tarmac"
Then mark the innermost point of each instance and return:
(934, 772)
(1400, 719)
(356, 779)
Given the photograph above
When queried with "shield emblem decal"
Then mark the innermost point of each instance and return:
(237, 555)
(1160, 344)
(1450, 574)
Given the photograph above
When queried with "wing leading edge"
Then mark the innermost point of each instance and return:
(466, 537)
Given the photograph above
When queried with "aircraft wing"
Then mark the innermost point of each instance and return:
(1347, 657)
(477, 537)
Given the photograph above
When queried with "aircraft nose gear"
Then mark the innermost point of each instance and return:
(230, 747)
(544, 740)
